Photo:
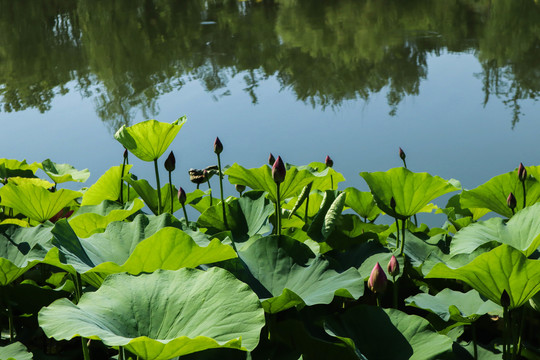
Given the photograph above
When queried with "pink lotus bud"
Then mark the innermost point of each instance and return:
(218, 146)
(402, 154)
(328, 161)
(181, 196)
(279, 171)
(377, 280)
(393, 266)
(522, 172)
(125, 153)
(170, 163)
(511, 201)
(271, 159)
(505, 299)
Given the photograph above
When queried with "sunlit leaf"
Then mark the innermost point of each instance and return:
(195, 310)
(326, 178)
(36, 181)
(150, 195)
(148, 140)
(60, 173)
(16, 351)
(15, 168)
(107, 187)
(362, 202)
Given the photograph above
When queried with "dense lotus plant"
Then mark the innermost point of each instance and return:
(295, 266)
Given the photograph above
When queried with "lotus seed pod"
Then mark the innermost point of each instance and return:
(240, 188)
(522, 172)
(505, 299)
(170, 163)
(218, 146)
(271, 160)
(393, 266)
(279, 171)
(393, 203)
(181, 196)
(402, 154)
(328, 161)
(377, 280)
(511, 201)
(196, 176)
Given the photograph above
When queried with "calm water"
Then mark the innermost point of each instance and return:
(451, 82)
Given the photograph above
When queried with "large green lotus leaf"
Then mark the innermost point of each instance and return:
(246, 216)
(522, 231)
(455, 305)
(411, 191)
(15, 351)
(362, 202)
(36, 181)
(377, 333)
(148, 140)
(163, 314)
(261, 179)
(11, 168)
(20, 250)
(493, 194)
(150, 195)
(293, 275)
(36, 202)
(131, 247)
(95, 218)
(107, 187)
(503, 268)
(60, 173)
(326, 178)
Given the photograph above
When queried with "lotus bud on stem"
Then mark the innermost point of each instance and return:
(240, 188)
(393, 270)
(124, 163)
(377, 281)
(182, 200)
(271, 160)
(330, 163)
(170, 165)
(278, 175)
(402, 156)
(511, 202)
(522, 176)
(218, 148)
(393, 206)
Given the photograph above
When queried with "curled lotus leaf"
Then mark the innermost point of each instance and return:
(163, 314)
(60, 173)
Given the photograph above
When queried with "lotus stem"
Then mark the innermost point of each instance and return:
(11, 324)
(397, 234)
(185, 213)
(395, 292)
(307, 209)
(158, 187)
(332, 182)
(524, 195)
(402, 236)
(121, 354)
(122, 182)
(520, 332)
(221, 191)
(86, 352)
(378, 300)
(171, 191)
(210, 188)
(278, 211)
(475, 346)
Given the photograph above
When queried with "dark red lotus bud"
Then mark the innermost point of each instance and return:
(328, 161)
(271, 160)
(522, 172)
(402, 154)
(505, 299)
(125, 153)
(393, 203)
(377, 280)
(181, 196)
(240, 188)
(170, 163)
(218, 146)
(393, 266)
(279, 171)
(511, 201)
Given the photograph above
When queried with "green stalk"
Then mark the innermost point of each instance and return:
(221, 191)
(158, 187)
(378, 300)
(78, 294)
(524, 195)
(86, 352)
(521, 325)
(397, 234)
(121, 353)
(395, 291)
(209, 187)
(122, 182)
(307, 208)
(170, 190)
(11, 326)
(473, 331)
(185, 212)
(278, 214)
(332, 182)
(402, 236)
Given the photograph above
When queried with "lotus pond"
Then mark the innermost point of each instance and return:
(295, 266)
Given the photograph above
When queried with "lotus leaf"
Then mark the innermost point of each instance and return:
(493, 194)
(36, 181)
(150, 195)
(261, 179)
(503, 268)
(15, 351)
(363, 203)
(148, 140)
(163, 314)
(107, 187)
(522, 232)
(293, 275)
(326, 177)
(60, 173)
(449, 304)
(377, 333)
(11, 168)
(95, 218)
(411, 191)
(36, 202)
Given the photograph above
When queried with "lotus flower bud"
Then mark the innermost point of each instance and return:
(393, 266)
(279, 171)
(218, 146)
(511, 201)
(181, 196)
(170, 163)
(328, 161)
(271, 160)
(402, 154)
(505, 299)
(377, 280)
(240, 188)
(393, 203)
(522, 172)
(125, 153)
